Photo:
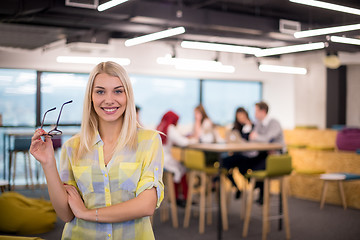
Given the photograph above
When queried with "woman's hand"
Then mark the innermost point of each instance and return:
(43, 151)
(75, 202)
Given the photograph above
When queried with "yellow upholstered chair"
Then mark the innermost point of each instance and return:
(195, 162)
(277, 167)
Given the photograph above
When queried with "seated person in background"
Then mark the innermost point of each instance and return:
(267, 130)
(242, 123)
(242, 127)
(203, 126)
(172, 137)
(204, 130)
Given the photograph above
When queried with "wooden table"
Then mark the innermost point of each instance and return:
(220, 148)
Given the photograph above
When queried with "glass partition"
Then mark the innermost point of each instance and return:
(222, 98)
(17, 97)
(57, 88)
(156, 95)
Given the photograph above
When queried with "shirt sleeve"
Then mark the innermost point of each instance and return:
(152, 169)
(65, 168)
(176, 137)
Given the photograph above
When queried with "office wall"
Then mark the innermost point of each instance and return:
(293, 99)
(353, 96)
(310, 90)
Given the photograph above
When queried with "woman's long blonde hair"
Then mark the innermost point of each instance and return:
(90, 121)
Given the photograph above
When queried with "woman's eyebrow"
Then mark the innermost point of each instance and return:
(118, 87)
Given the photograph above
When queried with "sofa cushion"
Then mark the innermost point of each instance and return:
(348, 139)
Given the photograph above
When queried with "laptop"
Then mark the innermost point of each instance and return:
(233, 136)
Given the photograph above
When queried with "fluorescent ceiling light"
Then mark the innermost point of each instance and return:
(323, 31)
(329, 6)
(219, 47)
(195, 64)
(282, 69)
(345, 40)
(154, 36)
(110, 4)
(91, 60)
(290, 49)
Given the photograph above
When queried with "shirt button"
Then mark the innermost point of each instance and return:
(105, 175)
(156, 169)
(109, 235)
(107, 190)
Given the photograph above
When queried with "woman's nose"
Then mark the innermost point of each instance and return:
(109, 99)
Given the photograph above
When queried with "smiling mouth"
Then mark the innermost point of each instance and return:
(110, 110)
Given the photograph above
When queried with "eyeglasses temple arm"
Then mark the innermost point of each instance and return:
(42, 122)
(57, 122)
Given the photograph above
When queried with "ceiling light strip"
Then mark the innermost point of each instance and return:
(219, 47)
(337, 39)
(290, 49)
(91, 60)
(110, 4)
(329, 6)
(282, 69)
(154, 36)
(195, 64)
(168, 60)
(329, 30)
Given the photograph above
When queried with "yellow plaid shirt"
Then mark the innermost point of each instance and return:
(128, 173)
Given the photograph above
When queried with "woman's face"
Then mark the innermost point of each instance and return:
(241, 117)
(109, 98)
(198, 115)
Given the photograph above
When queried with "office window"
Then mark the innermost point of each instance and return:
(222, 98)
(57, 88)
(17, 97)
(156, 95)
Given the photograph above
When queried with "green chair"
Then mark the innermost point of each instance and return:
(277, 167)
(195, 162)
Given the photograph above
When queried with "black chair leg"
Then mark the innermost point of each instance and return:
(280, 211)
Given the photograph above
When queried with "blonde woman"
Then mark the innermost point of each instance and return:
(110, 178)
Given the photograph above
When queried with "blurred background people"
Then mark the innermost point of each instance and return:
(266, 129)
(242, 123)
(203, 126)
(241, 130)
(172, 137)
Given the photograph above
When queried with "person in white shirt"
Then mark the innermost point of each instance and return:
(172, 137)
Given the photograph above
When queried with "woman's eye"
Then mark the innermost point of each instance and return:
(100, 92)
(119, 91)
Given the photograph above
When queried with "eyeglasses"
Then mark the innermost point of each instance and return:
(55, 130)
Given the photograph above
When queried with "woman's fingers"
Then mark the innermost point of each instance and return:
(70, 189)
(38, 133)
